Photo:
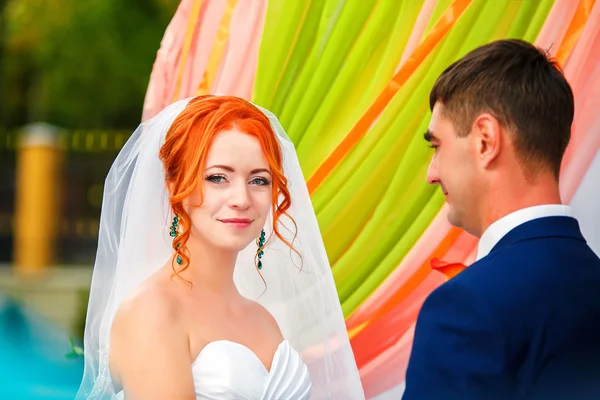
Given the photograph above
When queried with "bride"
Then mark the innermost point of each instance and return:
(211, 279)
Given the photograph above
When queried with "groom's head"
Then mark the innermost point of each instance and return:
(501, 121)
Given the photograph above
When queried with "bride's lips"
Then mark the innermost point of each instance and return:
(237, 222)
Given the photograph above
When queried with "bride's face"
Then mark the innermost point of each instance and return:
(237, 192)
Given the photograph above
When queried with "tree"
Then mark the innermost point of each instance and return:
(80, 63)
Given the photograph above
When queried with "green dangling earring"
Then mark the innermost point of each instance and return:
(173, 234)
(261, 243)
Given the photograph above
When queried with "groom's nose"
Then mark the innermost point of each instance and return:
(432, 172)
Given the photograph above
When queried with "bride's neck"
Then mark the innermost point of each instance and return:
(211, 267)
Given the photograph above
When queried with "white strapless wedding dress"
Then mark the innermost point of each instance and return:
(227, 370)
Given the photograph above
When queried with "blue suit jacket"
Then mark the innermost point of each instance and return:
(521, 323)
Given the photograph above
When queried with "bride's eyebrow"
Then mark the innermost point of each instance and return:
(231, 169)
(259, 170)
(225, 167)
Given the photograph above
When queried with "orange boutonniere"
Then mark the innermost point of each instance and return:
(450, 270)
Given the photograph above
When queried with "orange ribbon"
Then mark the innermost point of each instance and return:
(433, 38)
(417, 277)
(584, 9)
(216, 53)
(450, 270)
(187, 43)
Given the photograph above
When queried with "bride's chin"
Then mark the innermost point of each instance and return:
(234, 244)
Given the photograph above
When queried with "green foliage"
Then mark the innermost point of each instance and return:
(81, 64)
(76, 351)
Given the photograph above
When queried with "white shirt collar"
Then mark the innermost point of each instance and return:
(501, 227)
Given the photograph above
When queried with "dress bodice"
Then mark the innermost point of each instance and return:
(229, 370)
(226, 370)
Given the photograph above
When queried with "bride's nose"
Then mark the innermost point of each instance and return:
(239, 197)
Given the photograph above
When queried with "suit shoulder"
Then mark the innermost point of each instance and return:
(515, 280)
(456, 295)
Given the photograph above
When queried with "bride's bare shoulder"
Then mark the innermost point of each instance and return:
(150, 306)
(267, 320)
(149, 325)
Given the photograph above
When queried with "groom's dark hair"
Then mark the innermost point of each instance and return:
(522, 87)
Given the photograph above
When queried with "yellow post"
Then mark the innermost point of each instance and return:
(36, 204)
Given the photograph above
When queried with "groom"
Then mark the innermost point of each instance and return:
(523, 321)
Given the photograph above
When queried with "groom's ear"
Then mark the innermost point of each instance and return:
(488, 136)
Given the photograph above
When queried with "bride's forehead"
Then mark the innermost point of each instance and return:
(235, 147)
(234, 136)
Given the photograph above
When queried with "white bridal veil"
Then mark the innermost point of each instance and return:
(134, 243)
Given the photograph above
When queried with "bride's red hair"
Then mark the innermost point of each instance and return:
(186, 145)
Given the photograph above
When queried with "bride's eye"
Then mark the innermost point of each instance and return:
(216, 178)
(260, 181)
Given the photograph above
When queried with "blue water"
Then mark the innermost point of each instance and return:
(32, 357)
